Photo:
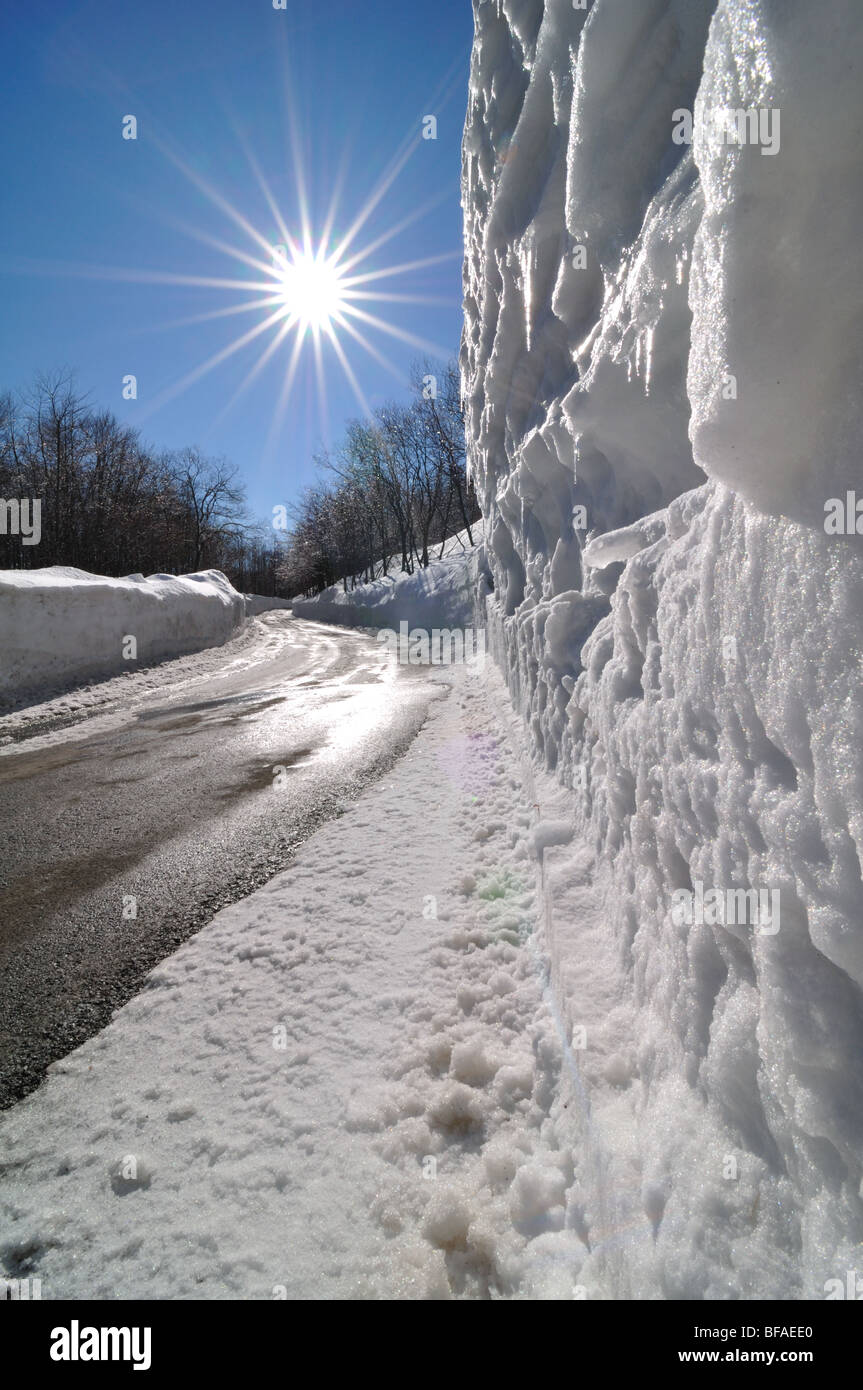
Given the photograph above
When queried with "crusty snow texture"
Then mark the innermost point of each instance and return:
(352, 1085)
(670, 338)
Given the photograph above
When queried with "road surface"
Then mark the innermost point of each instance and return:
(125, 834)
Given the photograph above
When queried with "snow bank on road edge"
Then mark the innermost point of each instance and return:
(258, 603)
(685, 653)
(441, 596)
(61, 625)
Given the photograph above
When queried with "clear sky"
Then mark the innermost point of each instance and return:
(89, 220)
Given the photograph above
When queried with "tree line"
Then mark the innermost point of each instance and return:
(395, 489)
(111, 504)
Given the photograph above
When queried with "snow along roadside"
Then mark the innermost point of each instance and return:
(62, 624)
(99, 704)
(62, 627)
(345, 1086)
(442, 596)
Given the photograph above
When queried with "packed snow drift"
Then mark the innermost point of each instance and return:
(661, 365)
(61, 626)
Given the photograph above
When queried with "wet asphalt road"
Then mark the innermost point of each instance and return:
(177, 806)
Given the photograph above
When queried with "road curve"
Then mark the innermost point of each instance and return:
(124, 837)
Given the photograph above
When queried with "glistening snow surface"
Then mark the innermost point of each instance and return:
(685, 651)
(619, 1103)
(354, 1084)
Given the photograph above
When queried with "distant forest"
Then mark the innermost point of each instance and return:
(397, 488)
(112, 504)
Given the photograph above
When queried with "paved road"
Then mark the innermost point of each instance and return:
(175, 804)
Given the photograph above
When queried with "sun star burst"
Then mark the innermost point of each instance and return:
(307, 289)
(310, 285)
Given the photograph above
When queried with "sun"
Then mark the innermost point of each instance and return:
(311, 289)
(310, 286)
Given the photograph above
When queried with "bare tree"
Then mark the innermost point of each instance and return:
(215, 500)
(398, 486)
(113, 505)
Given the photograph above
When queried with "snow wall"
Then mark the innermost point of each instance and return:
(661, 367)
(61, 625)
(441, 596)
(259, 603)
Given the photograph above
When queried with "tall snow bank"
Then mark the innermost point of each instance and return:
(441, 596)
(778, 263)
(61, 625)
(661, 363)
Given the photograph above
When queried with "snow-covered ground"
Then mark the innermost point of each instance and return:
(468, 1045)
(63, 627)
(352, 1084)
(661, 361)
(413, 1065)
(442, 595)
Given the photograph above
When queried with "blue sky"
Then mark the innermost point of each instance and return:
(77, 201)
